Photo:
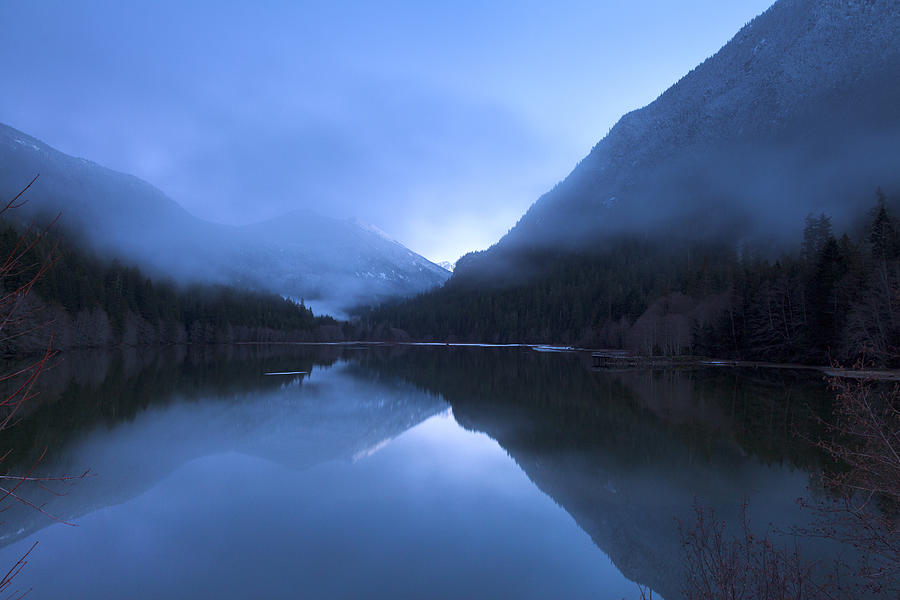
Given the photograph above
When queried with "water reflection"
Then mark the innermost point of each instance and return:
(296, 477)
(138, 425)
(628, 452)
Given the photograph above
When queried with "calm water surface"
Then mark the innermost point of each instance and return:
(392, 472)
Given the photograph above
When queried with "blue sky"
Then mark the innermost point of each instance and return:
(439, 122)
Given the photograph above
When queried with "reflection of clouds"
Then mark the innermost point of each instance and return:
(330, 416)
(409, 522)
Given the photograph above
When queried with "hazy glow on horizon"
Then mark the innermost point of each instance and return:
(439, 123)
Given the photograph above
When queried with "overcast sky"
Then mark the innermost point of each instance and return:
(439, 122)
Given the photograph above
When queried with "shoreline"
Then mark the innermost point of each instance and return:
(617, 359)
(602, 358)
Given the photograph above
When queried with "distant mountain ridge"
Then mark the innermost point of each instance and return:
(333, 263)
(307, 252)
(799, 112)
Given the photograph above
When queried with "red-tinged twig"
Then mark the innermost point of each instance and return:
(14, 203)
(40, 482)
(39, 508)
(23, 392)
(61, 479)
(14, 263)
(20, 267)
(747, 566)
(15, 570)
(22, 480)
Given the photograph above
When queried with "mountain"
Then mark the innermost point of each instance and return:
(447, 265)
(333, 263)
(799, 112)
(320, 257)
(738, 215)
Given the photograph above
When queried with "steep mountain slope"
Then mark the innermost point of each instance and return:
(684, 230)
(335, 263)
(110, 210)
(799, 112)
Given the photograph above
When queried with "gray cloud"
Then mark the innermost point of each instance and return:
(438, 123)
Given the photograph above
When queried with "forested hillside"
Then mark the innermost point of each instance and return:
(682, 231)
(334, 263)
(836, 297)
(85, 301)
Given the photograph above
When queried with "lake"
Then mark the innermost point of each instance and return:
(393, 471)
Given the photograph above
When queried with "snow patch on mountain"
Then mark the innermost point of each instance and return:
(374, 229)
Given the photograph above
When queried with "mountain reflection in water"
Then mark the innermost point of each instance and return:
(349, 475)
